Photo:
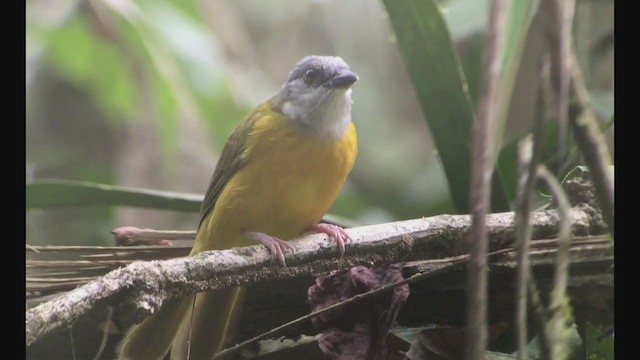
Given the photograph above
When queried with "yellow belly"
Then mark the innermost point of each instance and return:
(289, 181)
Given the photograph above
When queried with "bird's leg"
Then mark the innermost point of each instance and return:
(335, 232)
(275, 245)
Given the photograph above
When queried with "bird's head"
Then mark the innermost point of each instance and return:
(317, 95)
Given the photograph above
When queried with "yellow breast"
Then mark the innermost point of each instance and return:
(289, 180)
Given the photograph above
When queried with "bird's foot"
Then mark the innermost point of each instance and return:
(276, 246)
(334, 231)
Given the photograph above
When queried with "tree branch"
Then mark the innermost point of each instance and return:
(529, 152)
(582, 119)
(145, 285)
(557, 329)
(481, 171)
(592, 144)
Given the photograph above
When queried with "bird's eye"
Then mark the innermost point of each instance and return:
(311, 75)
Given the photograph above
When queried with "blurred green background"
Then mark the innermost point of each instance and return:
(144, 94)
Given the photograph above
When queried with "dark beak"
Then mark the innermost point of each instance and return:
(343, 79)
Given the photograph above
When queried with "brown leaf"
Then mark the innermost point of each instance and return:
(358, 331)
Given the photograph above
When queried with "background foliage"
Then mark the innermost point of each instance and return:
(130, 102)
(143, 94)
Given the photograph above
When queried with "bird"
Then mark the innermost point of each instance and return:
(278, 174)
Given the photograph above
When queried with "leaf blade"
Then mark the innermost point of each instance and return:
(438, 79)
(51, 193)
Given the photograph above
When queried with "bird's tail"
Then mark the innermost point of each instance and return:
(194, 336)
(151, 339)
(213, 321)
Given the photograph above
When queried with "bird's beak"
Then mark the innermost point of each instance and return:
(343, 79)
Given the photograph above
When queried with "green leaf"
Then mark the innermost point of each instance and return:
(507, 158)
(466, 17)
(583, 172)
(56, 193)
(76, 51)
(437, 76)
(471, 50)
(519, 16)
(51, 193)
(607, 125)
(599, 343)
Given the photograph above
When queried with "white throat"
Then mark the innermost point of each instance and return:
(327, 117)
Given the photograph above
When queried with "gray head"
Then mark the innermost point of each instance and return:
(317, 95)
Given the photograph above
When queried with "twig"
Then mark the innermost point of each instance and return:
(423, 270)
(132, 236)
(559, 304)
(481, 172)
(582, 120)
(564, 17)
(193, 310)
(94, 249)
(71, 344)
(529, 157)
(355, 299)
(336, 306)
(592, 145)
(145, 285)
(105, 333)
(522, 240)
(540, 319)
(32, 248)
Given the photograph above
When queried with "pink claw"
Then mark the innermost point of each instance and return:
(336, 232)
(276, 246)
